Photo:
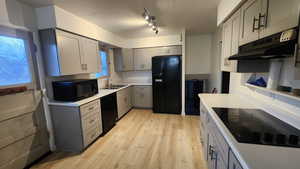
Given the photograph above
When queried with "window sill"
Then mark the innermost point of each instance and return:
(13, 90)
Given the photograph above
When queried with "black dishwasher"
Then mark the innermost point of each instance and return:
(109, 112)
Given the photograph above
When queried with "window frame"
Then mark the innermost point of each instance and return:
(107, 62)
(30, 53)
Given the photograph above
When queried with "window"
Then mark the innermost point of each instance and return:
(14, 69)
(104, 65)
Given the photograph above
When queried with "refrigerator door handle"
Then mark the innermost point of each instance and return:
(158, 80)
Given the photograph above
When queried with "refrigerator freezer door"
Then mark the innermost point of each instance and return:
(166, 76)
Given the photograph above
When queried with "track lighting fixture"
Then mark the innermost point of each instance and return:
(151, 20)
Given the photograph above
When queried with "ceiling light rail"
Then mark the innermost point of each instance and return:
(151, 20)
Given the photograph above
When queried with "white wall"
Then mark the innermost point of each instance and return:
(237, 81)
(18, 15)
(198, 53)
(53, 16)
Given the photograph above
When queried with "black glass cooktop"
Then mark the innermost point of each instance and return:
(258, 127)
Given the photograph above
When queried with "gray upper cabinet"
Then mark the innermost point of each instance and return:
(230, 42)
(123, 59)
(250, 21)
(90, 55)
(68, 46)
(262, 18)
(226, 46)
(69, 54)
(143, 58)
(278, 15)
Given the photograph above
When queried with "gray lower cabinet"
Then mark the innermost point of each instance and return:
(142, 97)
(233, 162)
(76, 127)
(216, 150)
(124, 101)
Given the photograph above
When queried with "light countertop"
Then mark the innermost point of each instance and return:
(253, 156)
(101, 93)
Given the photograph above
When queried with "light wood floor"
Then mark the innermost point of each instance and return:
(140, 140)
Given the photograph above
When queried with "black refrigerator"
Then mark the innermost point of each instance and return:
(166, 84)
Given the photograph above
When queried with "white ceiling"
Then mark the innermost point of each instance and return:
(123, 17)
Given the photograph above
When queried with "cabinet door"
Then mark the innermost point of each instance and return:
(226, 46)
(142, 96)
(91, 58)
(128, 99)
(143, 58)
(235, 22)
(69, 53)
(211, 153)
(278, 15)
(121, 97)
(127, 58)
(249, 27)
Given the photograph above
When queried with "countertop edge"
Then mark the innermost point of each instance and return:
(226, 134)
(87, 100)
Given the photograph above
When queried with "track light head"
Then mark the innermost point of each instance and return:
(151, 20)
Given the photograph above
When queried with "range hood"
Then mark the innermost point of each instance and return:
(279, 45)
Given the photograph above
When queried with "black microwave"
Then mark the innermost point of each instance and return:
(74, 90)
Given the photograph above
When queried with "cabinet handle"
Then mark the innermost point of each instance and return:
(254, 23)
(262, 17)
(296, 55)
(91, 121)
(92, 136)
(212, 152)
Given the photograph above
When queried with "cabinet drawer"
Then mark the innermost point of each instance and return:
(233, 162)
(90, 135)
(91, 120)
(92, 107)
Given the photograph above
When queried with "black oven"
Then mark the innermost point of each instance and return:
(74, 90)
